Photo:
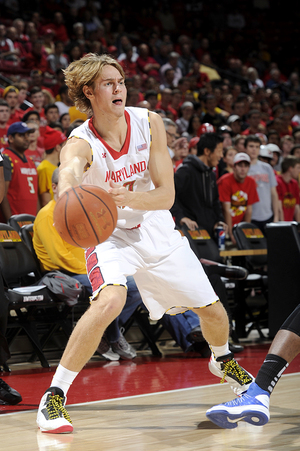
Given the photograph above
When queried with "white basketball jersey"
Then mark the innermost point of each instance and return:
(129, 167)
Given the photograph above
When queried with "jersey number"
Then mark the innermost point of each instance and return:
(30, 184)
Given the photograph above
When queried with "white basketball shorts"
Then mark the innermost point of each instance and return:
(168, 274)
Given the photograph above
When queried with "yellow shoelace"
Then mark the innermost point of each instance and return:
(232, 367)
(55, 406)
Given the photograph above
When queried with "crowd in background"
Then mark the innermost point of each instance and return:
(224, 66)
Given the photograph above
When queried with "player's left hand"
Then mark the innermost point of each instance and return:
(119, 193)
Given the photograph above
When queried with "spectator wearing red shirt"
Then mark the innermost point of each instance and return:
(36, 97)
(59, 28)
(288, 189)
(36, 58)
(237, 192)
(147, 65)
(22, 185)
(10, 94)
(129, 65)
(4, 117)
(254, 123)
(165, 102)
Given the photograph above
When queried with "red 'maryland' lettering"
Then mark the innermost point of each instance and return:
(125, 173)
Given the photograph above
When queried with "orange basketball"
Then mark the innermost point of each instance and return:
(85, 215)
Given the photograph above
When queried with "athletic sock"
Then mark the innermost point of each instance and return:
(63, 378)
(270, 372)
(220, 351)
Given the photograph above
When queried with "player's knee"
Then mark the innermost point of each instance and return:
(110, 302)
(214, 313)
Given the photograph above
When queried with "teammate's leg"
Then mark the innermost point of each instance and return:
(253, 407)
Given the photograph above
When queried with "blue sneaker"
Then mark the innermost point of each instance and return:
(249, 408)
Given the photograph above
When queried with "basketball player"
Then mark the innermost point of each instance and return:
(124, 151)
(253, 406)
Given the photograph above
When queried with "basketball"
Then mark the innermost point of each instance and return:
(85, 215)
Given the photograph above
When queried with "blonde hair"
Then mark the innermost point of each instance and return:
(84, 72)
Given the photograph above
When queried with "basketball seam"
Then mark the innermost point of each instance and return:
(66, 220)
(87, 216)
(82, 187)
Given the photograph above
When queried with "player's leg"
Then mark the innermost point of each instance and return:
(177, 282)
(215, 329)
(253, 407)
(52, 415)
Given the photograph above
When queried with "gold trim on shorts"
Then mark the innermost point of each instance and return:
(107, 285)
(188, 308)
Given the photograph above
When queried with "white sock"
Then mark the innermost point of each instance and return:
(220, 351)
(63, 378)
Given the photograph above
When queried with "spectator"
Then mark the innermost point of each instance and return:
(211, 116)
(237, 193)
(65, 102)
(146, 64)
(235, 123)
(65, 121)
(239, 143)
(8, 395)
(288, 189)
(37, 79)
(58, 59)
(34, 151)
(19, 49)
(4, 117)
(7, 49)
(129, 63)
(228, 155)
(254, 123)
(23, 87)
(151, 97)
(36, 57)
(48, 37)
(276, 160)
(186, 112)
(172, 63)
(51, 113)
(22, 184)
(165, 102)
(169, 79)
(171, 131)
(197, 201)
(266, 210)
(37, 99)
(53, 141)
(10, 95)
(265, 154)
(186, 59)
(193, 145)
(193, 127)
(59, 29)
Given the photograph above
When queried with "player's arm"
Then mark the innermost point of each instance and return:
(74, 157)
(161, 172)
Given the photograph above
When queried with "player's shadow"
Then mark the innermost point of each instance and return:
(207, 425)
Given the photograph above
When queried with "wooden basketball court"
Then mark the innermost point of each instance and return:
(150, 404)
(173, 420)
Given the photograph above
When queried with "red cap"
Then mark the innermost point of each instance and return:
(206, 128)
(52, 138)
(193, 142)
